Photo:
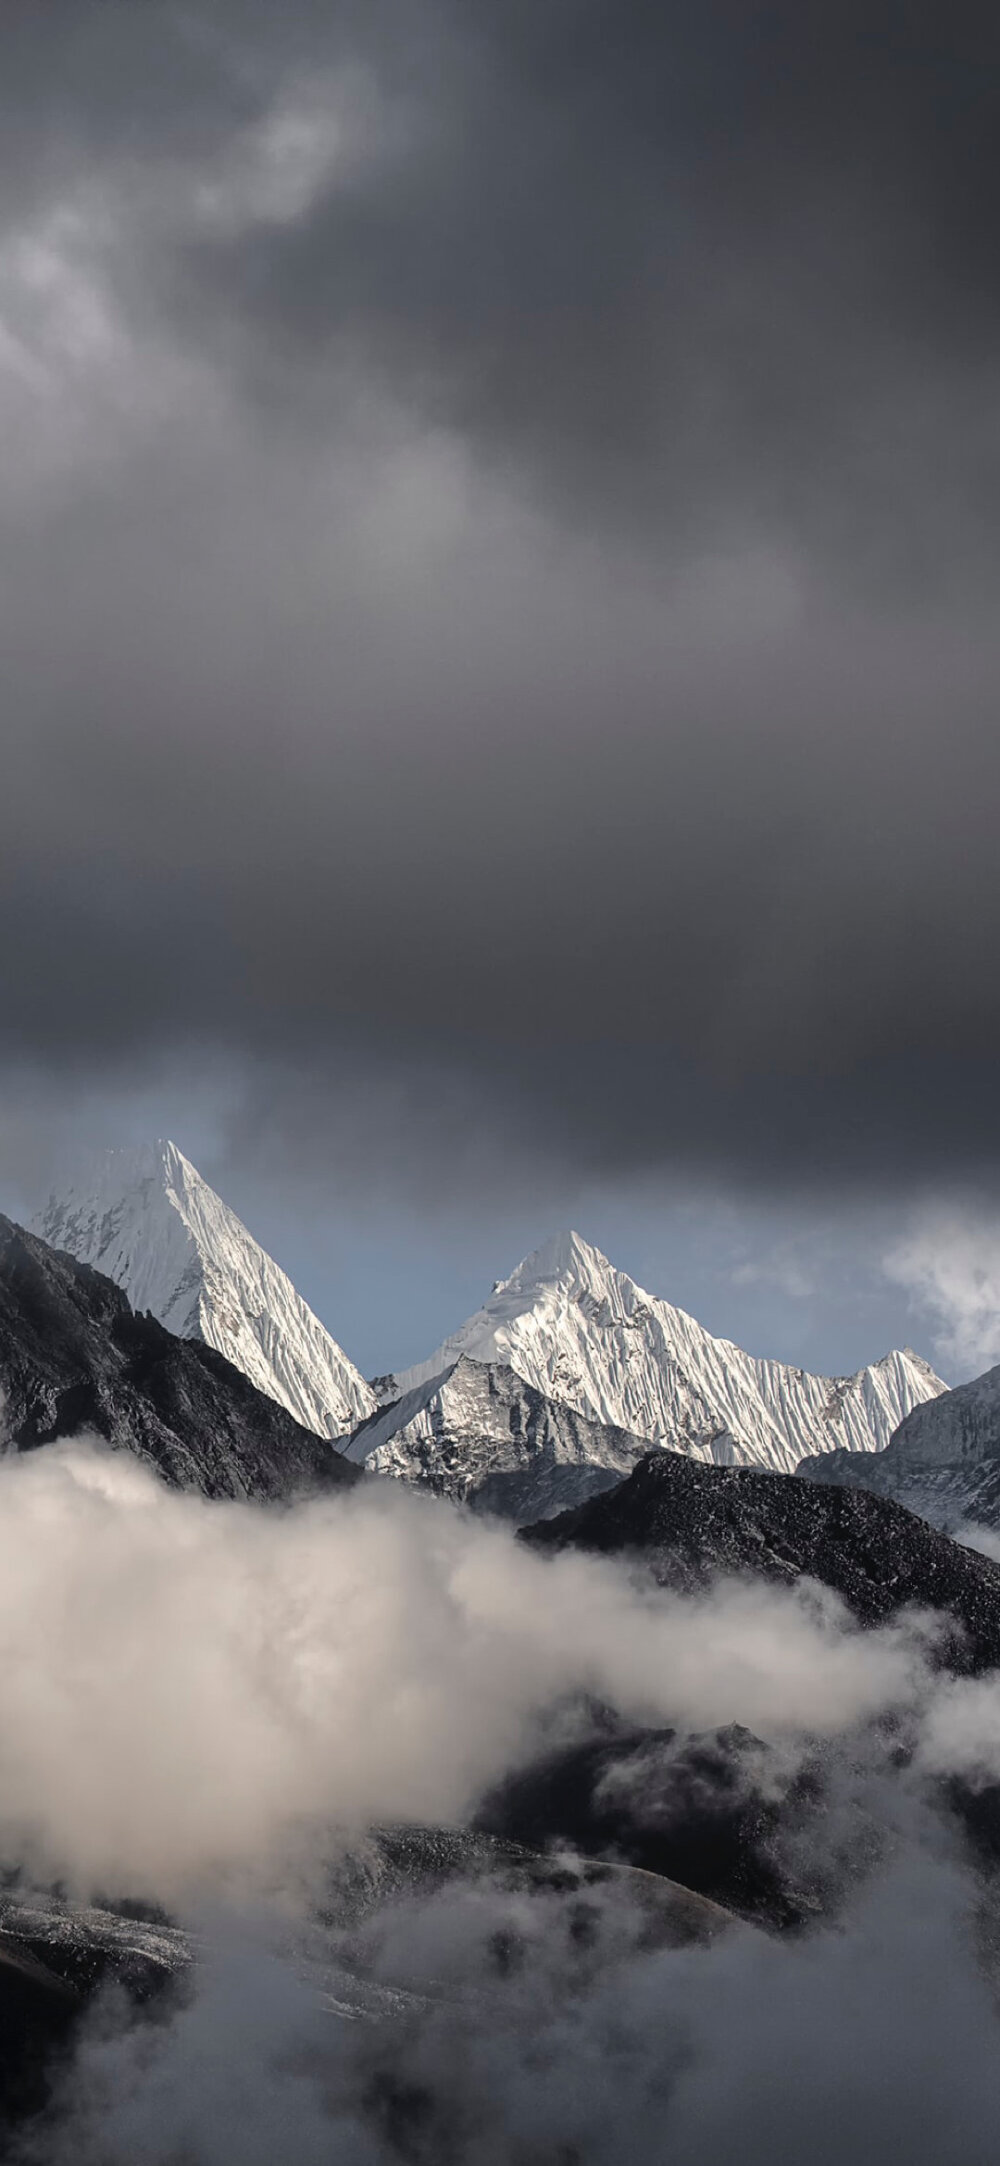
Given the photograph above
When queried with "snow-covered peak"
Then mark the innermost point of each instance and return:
(565, 1256)
(584, 1333)
(146, 1218)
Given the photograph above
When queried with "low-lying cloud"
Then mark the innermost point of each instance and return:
(879, 2038)
(185, 1685)
(190, 1692)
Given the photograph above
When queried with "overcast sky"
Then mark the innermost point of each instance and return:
(499, 561)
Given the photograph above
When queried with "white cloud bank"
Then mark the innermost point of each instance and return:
(184, 1685)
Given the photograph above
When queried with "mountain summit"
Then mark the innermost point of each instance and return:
(580, 1332)
(147, 1219)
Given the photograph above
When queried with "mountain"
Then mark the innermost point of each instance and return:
(147, 1219)
(585, 1335)
(58, 1958)
(722, 1811)
(943, 1460)
(75, 1358)
(688, 1523)
(480, 1435)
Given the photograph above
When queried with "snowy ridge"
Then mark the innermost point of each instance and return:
(584, 1334)
(943, 1462)
(963, 1424)
(482, 1436)
(147, 1219)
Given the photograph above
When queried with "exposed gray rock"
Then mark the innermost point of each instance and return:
(482, 1436)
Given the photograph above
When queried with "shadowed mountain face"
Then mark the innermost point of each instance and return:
(74, 1359)
(483, 1437)
(37, 2013)
(721, 1812)
(689, 1522)
(705, 1811)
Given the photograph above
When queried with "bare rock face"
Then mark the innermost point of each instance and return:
(481, 1436)
(75, 1359)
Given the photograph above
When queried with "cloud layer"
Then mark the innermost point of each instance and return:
(195, 1699)
(185, 1688)
(880, 2034)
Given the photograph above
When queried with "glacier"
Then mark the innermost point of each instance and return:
(147, 1219)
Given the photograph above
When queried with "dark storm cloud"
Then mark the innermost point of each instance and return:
(677, 263)
(497, 562)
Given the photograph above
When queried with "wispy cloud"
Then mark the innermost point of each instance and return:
(948, 1261)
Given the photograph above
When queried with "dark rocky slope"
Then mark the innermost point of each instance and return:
(38, 2012)
(74, 1358)
(688, 1522)
(719, 1812)
(706, 1811)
